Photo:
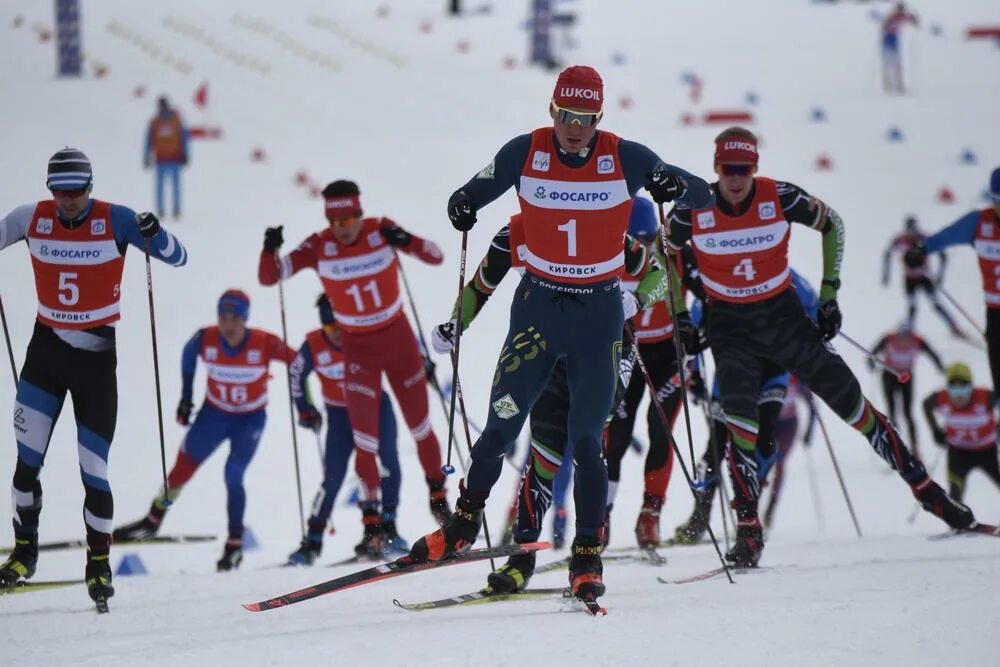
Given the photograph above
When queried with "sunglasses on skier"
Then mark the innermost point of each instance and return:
(570, 117)
(736, 169)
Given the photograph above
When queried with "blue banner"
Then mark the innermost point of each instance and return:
(541, 31)
(69, 49)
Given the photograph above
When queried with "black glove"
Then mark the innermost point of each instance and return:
(916, 256)
(184, 412)
(939, 437)
(687, 332)
(273, 238)
(395, 236)
(829, 319)
(461, 211)
(311, 419)
(664, 187)
(149, 224)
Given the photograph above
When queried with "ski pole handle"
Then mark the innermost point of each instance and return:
(902, 376)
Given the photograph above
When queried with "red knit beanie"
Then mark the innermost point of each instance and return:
(579, 88)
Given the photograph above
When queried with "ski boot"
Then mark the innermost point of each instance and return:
(98, 578)
(309, 550)
(457, 534)
(372, 542)
(232, 555)
(691, 531)
(585, 568)
(647, 526)
(559, 527)
(933, 498)
(439, 502)
(21, 562)
(749, 542)
(393, 540)
(512, 576)
(142, 529)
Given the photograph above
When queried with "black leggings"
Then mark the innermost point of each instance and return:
(892, 388)
(963, 461)
(52, 368)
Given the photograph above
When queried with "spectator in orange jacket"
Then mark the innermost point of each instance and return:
(167, 149)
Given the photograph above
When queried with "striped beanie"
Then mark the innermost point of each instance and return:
(69, 169)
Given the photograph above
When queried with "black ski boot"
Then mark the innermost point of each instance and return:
(933, 498)
(98, 578)
(232, 555)
(513, 575)
(309, 550)
(692, 531)
(749, 543)
(372, 542)
(457, 534)
(142, 529)
(21, 562)
(439, 502)
(586, 572)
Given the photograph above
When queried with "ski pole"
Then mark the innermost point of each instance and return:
(156, 376)
(655, 400)
(961, 310)
(432, 377)
(10, 349)
(678, 347)
(902, 376)
(448, 468)
(814, 488)
(291, 407)
(836, 468)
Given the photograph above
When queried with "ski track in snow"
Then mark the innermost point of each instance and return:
(409, 135)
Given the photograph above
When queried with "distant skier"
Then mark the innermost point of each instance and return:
(917, 277)
(901, 348)
(575, 185)
(980, 229)
(892, 61)
(237, 358)
(754, 318)
(968, 428)
(77, 247)
(323, 353)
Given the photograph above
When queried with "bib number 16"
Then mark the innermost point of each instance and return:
(745, 269)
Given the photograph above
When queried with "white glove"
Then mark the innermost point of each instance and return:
(443, 337)
(630, 304)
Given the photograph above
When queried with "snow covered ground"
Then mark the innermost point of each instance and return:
(410, 117)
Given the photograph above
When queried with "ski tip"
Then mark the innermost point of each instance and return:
(397, 603)
(252, 606)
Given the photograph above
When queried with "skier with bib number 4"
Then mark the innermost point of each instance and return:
(575, 186)
(754, 317)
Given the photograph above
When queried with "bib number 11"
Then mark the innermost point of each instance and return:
(745, 269)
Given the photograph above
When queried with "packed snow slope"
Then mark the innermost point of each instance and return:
(410, 104)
